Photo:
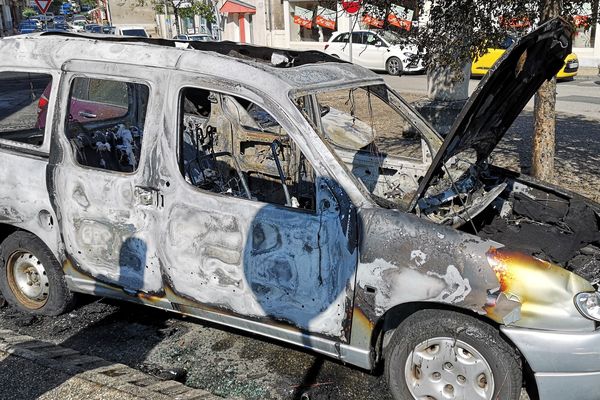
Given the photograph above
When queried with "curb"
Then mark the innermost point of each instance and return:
(582, 78)
(120, 380)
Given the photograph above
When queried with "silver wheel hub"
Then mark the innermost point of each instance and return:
(30, 276)
(394, 66)
(444, 368)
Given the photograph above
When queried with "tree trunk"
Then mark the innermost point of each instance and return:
(176, 15)
(542, 163)
(544, 138)
(595, 4)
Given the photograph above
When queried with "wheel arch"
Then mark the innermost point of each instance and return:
(393, 317)
(394, 55)
(6, 230)
(47, 236)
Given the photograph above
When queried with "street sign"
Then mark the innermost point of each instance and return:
(351, 7)
(43, 5)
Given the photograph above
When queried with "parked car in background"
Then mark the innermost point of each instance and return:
(78, 26)
(377, 50)
(79, 17)
(59, 19)
(131, 31)
(27, 26)
(92, 28)
(63, 26)
(481, 65)
(37, 22)
(200, 37)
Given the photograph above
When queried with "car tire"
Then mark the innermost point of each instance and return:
(445, 354)
(393, 66)
(31, 278)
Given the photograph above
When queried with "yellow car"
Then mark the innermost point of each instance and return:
(481, 66)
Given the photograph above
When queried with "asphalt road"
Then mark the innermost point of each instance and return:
(579, 97)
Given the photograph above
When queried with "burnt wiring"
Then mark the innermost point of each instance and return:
(464, 206)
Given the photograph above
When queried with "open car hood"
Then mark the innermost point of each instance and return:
(502, 95)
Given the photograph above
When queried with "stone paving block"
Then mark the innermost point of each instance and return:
(176, 390)
(58, 352)
(17, 339)
(92, 377)
(162, 386)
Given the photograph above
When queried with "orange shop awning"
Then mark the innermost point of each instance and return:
(237, 7)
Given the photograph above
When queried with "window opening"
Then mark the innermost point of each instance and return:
(234, 147)
(105, 123)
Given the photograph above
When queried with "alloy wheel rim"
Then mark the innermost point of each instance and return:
(394, 67)
(445, 368)
(27, 279)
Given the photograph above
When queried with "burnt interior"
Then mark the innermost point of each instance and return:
(105, 123)
(534, 218)
(233, 147)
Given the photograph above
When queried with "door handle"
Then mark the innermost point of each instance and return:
(87, 114)
(146, 196)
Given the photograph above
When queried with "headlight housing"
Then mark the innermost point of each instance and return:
(588, 304)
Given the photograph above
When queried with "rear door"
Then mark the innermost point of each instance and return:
(100, 181)
(339, 46)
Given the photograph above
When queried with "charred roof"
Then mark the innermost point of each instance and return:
(236, 50)
(267, 69)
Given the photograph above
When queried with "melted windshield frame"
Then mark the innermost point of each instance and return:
(312, 114)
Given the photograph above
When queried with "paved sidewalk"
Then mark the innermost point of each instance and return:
(37, 369)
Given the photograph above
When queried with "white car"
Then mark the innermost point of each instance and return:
(78, 25)
(376, 50)
(199, 37)
(131, 31)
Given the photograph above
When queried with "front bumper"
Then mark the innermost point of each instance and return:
(566, 364)
(415, 66)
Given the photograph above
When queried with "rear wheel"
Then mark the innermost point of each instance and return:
(30, 276)
(438, 354)
(394, 66)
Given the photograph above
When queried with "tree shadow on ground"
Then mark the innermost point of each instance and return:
(577, 152)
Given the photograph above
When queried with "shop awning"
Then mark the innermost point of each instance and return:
(237, 7)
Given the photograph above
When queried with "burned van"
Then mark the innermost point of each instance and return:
(297, 196)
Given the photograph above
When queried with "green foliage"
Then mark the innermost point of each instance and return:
(197, 7)
(91, 3)
(200, 8)
(29, 12)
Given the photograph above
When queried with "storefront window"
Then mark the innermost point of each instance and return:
(312, 22)
(585, 34)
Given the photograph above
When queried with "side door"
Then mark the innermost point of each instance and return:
(98, 177)
(250, 228)
(371, 52)
(339, 46)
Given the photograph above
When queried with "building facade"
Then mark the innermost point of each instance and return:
(586, 43)
(8, 9)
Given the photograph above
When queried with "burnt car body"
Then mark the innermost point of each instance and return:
(262, 204)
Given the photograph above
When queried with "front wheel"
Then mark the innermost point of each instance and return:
(31, 278)
(438, 354)
(394, 66)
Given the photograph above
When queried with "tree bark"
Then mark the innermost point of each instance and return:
(544, 137)
(542, 165)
